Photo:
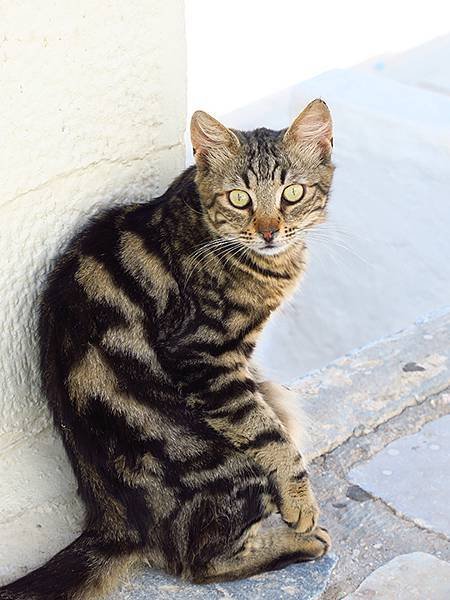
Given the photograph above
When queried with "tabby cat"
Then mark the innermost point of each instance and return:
(147, 327)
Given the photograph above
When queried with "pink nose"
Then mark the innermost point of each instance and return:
(268, 234)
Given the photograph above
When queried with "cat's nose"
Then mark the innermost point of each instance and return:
(268, 233)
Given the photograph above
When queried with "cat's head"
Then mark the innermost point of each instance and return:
(264, 188)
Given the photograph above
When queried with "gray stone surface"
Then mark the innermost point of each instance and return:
(358, 392)
(366, 533)
(416, 576)
(306, 581)
(412, 475)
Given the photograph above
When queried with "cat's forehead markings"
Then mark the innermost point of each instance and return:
(276, 171)
(263, 158)
(245, 179)
(250, 176)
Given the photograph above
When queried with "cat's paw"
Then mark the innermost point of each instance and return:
(308, 516)
(299, 508)
(320, 541)
(323, 536)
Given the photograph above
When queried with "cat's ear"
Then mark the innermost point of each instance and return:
(210, 138)
(313, 127)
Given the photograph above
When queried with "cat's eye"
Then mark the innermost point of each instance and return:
(293, 193)
(239, 198)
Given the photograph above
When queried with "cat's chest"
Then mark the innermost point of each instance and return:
(261, 294)
(244, 306)
(223, 311)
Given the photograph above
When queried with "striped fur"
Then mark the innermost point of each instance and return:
(147, 326)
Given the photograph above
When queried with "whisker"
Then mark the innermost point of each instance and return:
(321, 236)
(204, 248)
(214, 251)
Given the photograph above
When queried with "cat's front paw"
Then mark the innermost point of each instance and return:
(299, 508)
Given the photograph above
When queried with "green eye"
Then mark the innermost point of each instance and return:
(239, 198)
(293, 193)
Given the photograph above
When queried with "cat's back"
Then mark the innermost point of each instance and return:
(87, 258)
(96, 289)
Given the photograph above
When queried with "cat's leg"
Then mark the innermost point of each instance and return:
(238, 411)
(286, 405)
(266, 551)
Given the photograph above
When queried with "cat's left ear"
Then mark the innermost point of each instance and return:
(313, 127)
(210, 139)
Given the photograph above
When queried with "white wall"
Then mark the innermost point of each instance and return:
(92, 108)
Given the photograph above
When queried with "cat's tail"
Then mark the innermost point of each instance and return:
(86, 569)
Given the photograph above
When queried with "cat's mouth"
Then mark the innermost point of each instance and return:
(271, 248)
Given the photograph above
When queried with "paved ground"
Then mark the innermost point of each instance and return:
(376, 517)
(305, 581)
(412, 476)
(414, 576)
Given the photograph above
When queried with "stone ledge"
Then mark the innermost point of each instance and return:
(356, 393)
(392, 475)
(414, 576)
(305, 580)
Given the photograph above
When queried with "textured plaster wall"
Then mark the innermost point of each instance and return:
(92, 111)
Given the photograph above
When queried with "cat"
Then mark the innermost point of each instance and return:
(147, 326)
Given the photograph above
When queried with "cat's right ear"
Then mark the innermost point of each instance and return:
(210, 139)
(312, 129)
